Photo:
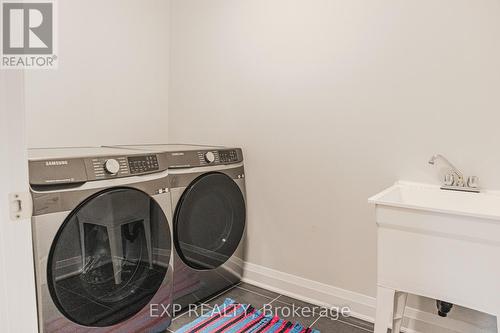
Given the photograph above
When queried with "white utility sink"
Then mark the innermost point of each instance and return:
(433, 199)
(439, 244)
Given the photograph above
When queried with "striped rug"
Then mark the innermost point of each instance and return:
(232, 317)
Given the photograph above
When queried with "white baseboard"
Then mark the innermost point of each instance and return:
(362, 306)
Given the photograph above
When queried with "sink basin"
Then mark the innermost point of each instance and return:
(440, 244)
(433, 199)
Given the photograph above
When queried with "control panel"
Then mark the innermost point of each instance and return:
(228, 156)
(83, 169)
(124, 166)
(200, 158)
(78, 170)
(140, 164)
(218, 157)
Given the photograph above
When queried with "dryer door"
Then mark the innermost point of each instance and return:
(209, 221)
(109, 258)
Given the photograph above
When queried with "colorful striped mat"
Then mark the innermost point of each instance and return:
(232, 317)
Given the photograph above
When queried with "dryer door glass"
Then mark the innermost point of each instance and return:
(109, 258)
(209, 221)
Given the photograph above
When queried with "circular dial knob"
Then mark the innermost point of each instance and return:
(112, 166)
(210, 157)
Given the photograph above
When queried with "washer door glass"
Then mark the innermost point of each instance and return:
(209, 221)
(109, 258)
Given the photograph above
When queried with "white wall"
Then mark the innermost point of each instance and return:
(111, 86)
(333, 101)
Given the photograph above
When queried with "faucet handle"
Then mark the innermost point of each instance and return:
(449, 179)
(473, 182)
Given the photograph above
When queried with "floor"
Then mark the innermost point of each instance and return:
(245, 293)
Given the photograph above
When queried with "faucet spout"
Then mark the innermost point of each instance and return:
(455, 170)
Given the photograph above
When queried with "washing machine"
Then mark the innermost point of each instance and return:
(102, 240)
(207, 187)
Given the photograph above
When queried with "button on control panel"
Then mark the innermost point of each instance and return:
(228, 156)
(141, 164)
(105, 168)
(112, 166)
(208, 157)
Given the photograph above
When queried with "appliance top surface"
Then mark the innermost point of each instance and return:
(57, 153)
(170, 147)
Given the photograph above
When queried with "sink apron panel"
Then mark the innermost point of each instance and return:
(449, 257)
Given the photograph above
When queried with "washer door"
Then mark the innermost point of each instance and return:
(209, 221)
(109, 257)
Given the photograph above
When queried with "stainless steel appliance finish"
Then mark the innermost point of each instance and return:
(207, 186)
(102, 240)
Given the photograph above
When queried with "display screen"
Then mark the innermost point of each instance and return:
(140, 164)
(226, 156)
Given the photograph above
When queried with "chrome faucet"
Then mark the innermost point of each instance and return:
(454, 179)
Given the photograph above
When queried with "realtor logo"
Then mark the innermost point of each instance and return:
(28, 34)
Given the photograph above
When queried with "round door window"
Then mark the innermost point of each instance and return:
(109, 258)
(209, 221)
